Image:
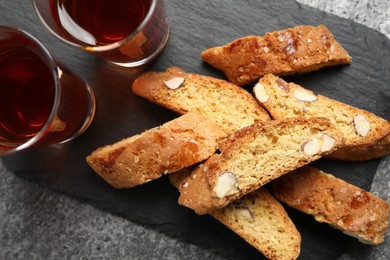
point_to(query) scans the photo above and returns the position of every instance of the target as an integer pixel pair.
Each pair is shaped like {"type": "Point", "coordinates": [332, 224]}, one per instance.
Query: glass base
{"type": "Point", "coordinates": [146, 60]}
{"type": "Point", "coordinates": [91, 114]}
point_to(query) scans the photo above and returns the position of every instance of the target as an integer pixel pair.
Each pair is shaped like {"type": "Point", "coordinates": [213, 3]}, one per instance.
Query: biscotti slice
{"type": "Point", "coordinates": [254, 156]}
{"type": "Point", "coordinates": [228, 105]}
{"type": "Point", "coordinates": [366, 135]}
{"type": "Point", "coordinates": [331, 200]}
{"type": "Point", "coordinates": [295, 50]}
{"type": "Point", "coordinates": [259, 219]}
{"type": "Point", "coordinates": [179, 143]}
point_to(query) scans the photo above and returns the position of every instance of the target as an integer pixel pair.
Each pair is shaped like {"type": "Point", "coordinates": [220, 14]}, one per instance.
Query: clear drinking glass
{"type": "Point", "coordinates": [128, 33]}
{"type": "Point", "coordinates": [41, 102]}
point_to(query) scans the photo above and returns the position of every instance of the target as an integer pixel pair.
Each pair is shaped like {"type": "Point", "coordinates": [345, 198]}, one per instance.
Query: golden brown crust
{"type": "Point", "coordinates": [376, 149]}
{"type": "Point", "coordinates": [295, 50]}
{"type": "Point", "coordinates": [178, 178]}
{"type": "Point", "coordinates": [228, 105]}
{"type": "Point", "coordinates": [331, 200]}
{"type": "Point", "coordinates": [255, 155]}
{"type": "Point", "coordinates": [258, 218]}
{"type": "Point", "coordinates": [177, 144]}
{"type": "Point", "coordinates": [279, 99]}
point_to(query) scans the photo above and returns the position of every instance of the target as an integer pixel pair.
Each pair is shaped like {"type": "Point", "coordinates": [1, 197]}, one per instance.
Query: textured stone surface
{"type": "Point", "coordinates": [36, 223]}
{"type": "Point", "coordinates": [40, 224]}
{"type": "Point", "coordinates": [372, 13]}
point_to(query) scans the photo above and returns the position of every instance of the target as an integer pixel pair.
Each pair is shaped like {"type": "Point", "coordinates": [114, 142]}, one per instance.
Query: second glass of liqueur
{"type": "Point", "coordinates": [128, 33]}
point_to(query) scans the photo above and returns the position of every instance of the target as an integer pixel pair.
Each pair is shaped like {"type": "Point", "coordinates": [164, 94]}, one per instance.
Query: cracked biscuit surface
{"type": "Point", "coordinates": [366, 136]}
{"type": "Point", "coordinates": [258, 218]}
{"type": "Point", "coordinates": [254, 156]}
{"type": "Point", "coordinates": [179, 143]}
{"type": "Point", "coordinates": [328, 199]}
{"type": "Point", "coordinates": [300, 49]}
{"type": "Point", "coordinates": [228, 105]}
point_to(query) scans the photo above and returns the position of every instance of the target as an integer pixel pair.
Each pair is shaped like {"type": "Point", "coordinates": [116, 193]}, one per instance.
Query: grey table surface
{"type": "Point", "coordinates": [36, 223]}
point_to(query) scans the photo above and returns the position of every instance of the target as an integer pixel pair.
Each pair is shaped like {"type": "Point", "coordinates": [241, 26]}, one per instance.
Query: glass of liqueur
{"type": "Point", "coordinates": [128, 33]}
{"type": "Point", "coordinates": [40, 102]}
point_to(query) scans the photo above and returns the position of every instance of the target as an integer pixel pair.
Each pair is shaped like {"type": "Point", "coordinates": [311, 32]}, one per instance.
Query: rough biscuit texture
{"type": "Point", "coordinates": [295, 50]}
{"type": "Point", "coordinates": [262, 222]}
{"type": "Point", "coordinates": [366, 135]}
{"type": "Point", "coordinates": [228, 105]}
{"type": "Point", "coordinates": [175, 145]}
{"type": "Point", "coordinates": [331, 200]}
{"type": "Point", "coordinates": [254, 156]}
{"type": "Point", "coordinates": [258, 218]}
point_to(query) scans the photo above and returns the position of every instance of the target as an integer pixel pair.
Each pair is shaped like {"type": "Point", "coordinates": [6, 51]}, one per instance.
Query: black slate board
{"type": "Point", "coordinates": [195, 26]}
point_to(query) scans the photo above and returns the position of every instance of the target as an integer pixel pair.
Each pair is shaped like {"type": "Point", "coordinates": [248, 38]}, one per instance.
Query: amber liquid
{"type": "Point", "coordinates": [98, 22]}
{"type": "Point", "coordinates": [29, 101]}
{"type": "Point", "coordinates": [27, 91]}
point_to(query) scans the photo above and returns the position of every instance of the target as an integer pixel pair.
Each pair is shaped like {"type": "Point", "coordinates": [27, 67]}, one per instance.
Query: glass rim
{"type": "Point", "coordinates": [56, 74]}
{"type": "Point", "coordinates": [101, 48]}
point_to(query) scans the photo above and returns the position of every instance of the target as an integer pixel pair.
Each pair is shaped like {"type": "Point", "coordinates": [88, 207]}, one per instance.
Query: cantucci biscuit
{"type": "Point", "coordinates": [295, 50]}
{"type": "Point", "coordinates": [366, 135]}
{"type": "Point", "coordinates": [256, 155]}
{"type": "Point", "coordinates": [230, 106]}
{"type": "Point", "coordinates": [179, 143]}
{"type": "Point", "coordinates": [263, 222]}
{"type": "Point", "coordinates": [259, 219]}
{"type": "Point", "coordinates": [344, 206]}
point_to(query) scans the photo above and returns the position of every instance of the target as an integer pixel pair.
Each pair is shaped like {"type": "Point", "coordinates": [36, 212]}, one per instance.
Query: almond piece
{"type": "Point", "coordinates": [226, 185]}
{"type": "Point", "coordinates": [327, 143]}
{"type": "Point", "coordinates": [260, 93]}
{"type": "Point", "coordinates": [312, 147]}
{"type": "Point", "coordinates": [246, 212]}
{"type": "Point", "coordinates": [361, 125]}
{"type": "Point", "coordinates": [319, 143]}
{"type": "Point", "coordinates": [283, 86]}
{"type": "Point", "coordinates": [304, 96]}
{"type": "Point", "coordinates": [174, 83]}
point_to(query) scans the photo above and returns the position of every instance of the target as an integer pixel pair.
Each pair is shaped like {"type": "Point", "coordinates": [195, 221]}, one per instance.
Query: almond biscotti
{"type": "Point", "coordinates": [263, 222]}
{"type": "Point", "coordinates": [228, 105]}
{"type": "Point", "coordinates": [366, 135]}
{"type": "Point", "coordinates": [256, 155]}
{"type": "Point", "coordinates": [299, 49]}
{"type": "Point", "coordinates": [259, 219]}
{"type": "Point", "coordinates": [331, 200]}
{"type": "Point", "coordinates": [175, 145]}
